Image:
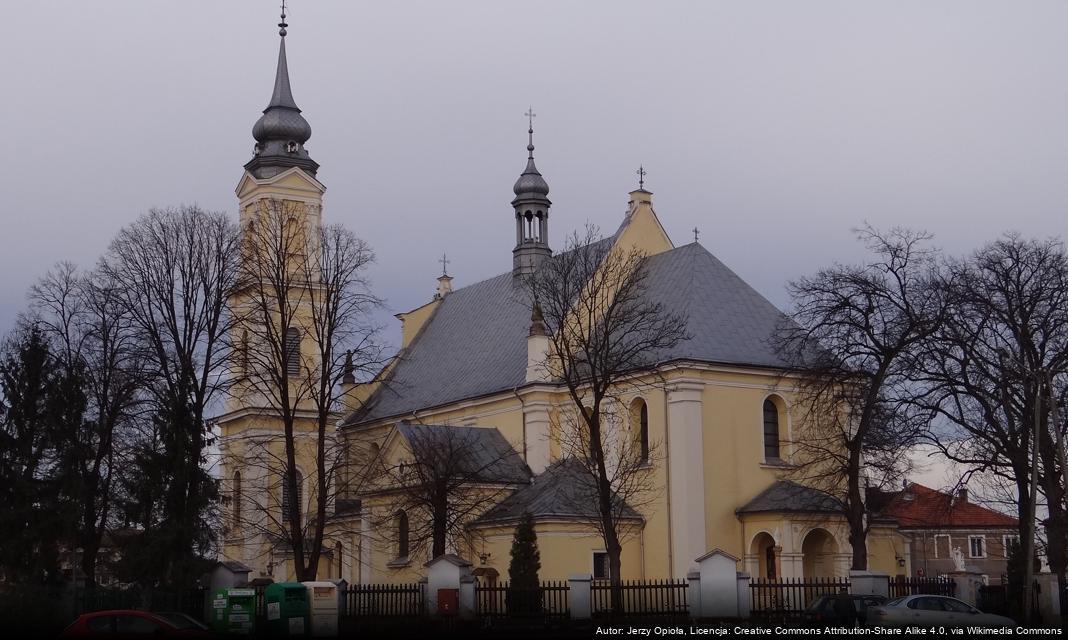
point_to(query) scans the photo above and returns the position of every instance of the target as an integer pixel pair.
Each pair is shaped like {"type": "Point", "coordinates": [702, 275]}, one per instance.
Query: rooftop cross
{"type": "Point", "coordinates": [530, 130]}
{"type": "Point", "coordinates": [641, 176]}
{"type": "Point", "coordinates": [444, 264]}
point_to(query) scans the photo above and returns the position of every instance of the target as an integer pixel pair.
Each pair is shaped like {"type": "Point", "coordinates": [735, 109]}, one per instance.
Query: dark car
{"type": "Point", "coordinates": [841, 609]}
{"type": "Point", "coordinates": [131, 623]}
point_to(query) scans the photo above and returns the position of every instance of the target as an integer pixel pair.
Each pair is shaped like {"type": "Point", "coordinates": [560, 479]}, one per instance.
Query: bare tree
{"type": "Point", "coordinates": [985, 372]}
{"type": "Point", "coordinates": [451, 476]}
{"type": "Point", "coordinates": [303, 326]}
{"type": "Point", "coordinates": [172, 271]}
{"type": "Point", "coordinates": [603, 331]}
{"type": "Point", "coordinates": [82, 315]}
{"type": "Point", "coordinates": [853, 336]}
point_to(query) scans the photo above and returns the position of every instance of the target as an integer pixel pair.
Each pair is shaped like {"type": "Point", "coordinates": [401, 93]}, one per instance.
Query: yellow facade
{"type": "Point", "coordinates": [728, 402]}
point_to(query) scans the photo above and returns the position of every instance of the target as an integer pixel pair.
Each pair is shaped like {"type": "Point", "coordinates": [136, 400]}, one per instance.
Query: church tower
{"type": "Point", "coordinates": [280, 203]}
{"type": "Point", "coordinates": [531, 206]}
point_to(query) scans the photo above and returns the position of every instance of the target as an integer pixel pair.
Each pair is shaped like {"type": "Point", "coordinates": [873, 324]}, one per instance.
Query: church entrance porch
{"type": "Point", "coordinates": [792, 547]}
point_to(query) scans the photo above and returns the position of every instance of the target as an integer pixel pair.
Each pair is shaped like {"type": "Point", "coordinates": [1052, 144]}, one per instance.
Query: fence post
{"type": "Point", "coordinates": [467, 597]}
{"type": "Point", "coordinates": [968, 583]}
{"type": "Point", "coordinates": [579, 587]}
{"type": "Point", "coordinates": [693, 593]}
{"type": "Point", "coordinates": [1049, 603]}
{"type": "Point", "coordinates": [719, 584]}
{"type": "Point", "coordinates": [869, 583]}
{"type": "Point", "coordinates": [743, 594]}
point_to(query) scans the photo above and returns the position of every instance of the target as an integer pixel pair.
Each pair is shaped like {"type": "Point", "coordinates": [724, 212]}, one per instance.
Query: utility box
{"type": "Point", "coordinates": [233, 611]}
{"type": "Point", "coordinates": [448, 602]}
{"type": "Point", "coordinates": [323, 609]}
{"type": "Point", "coordinates": [287, 609]}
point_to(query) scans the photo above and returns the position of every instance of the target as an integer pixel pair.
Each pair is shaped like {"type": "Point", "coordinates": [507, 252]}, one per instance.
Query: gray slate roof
{"type": "Point", "coordinates": [476, 342]}
{"type": "Point", "coordinates": [487, 455]}
{"type": "Point", "coordinates": [563, 490]}
{"type": "Point", "coordinates": [786, 496]}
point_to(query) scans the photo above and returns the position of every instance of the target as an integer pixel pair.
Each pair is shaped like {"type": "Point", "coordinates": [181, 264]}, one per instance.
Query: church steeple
{"type": "Point", "coordinates": [531, 204]}
{"type": "Point", "coordinates": [281, 131]}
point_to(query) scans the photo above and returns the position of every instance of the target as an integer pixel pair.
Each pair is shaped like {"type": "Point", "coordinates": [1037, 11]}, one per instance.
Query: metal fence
{"type": "Point", "coordinates": [641, 598]}
{"type": "Point", "coordinates": [548, 600]}
{"type": "Point", "coordinates": [385, 600]}
{"type": "Point", "coordinates": [788, 597]}
{"type": "Point", "coordinates": [901, 587]}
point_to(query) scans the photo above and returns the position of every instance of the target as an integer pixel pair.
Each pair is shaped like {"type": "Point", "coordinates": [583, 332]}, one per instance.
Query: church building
{"type": "Point", "coordinates": [718, 407]}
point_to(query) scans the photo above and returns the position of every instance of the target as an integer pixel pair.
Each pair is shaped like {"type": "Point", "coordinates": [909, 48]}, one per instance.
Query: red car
{"type": "Point", "coordinates": [130, 623]}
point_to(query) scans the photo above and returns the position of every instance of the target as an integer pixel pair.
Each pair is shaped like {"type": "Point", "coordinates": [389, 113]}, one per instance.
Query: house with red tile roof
{"type": "Point", "coordinates": [934, 523]}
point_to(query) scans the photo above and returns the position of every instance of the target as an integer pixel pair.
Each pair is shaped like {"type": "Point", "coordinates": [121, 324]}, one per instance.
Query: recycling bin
{"type": "Point", "coordinates": [322, 609]}
{"type": "Point", "coordinates": [233, 610]}
{"type": "Point", "coordinates": [287, 609]}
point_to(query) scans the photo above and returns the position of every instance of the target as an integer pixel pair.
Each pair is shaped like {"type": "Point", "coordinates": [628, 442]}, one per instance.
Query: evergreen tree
{"type": "Point", "coordinates": [36, 404]}
{"type": "Point", "coordinates": [524, 594]}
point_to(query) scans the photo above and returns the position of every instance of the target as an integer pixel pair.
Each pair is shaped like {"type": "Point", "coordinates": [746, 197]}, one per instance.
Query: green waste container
{"type": "Point", "coordinates": [233, 611]}
{"type": "Point", "coordinates": [287, 609]}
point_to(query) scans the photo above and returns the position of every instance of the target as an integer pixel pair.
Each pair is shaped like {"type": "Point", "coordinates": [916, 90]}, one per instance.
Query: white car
{"type": "Point", "coordinates": [932, 611]}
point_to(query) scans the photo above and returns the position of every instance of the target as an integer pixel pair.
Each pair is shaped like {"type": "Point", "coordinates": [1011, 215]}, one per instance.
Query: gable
{"type": "Point", "coordinates": [292, 182]}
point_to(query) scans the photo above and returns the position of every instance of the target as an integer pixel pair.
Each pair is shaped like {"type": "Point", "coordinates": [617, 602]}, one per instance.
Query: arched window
{"type": "Point", "coordinates": [640, 420]}
{"type": "Point", "coordinates": [402, 534]}
{"type": "Point", "coordinates": [243, 354]}
{"type": "Point", "coordinates": [237, 499]}
{"type": "Point", "coordinates": [286, 497]}
{"type": "Point", "coordinates": [292, 353]}
{"type": "Point", "coordinates": [340, 560]}
{"type": "Point", "coordinates": [771, 430]}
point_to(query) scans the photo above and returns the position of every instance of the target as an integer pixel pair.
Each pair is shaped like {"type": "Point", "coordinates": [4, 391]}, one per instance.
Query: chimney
{"type": "Point", "coordinates": [537, 347]}
{"type": "Point", "coordinates": [962, 496]}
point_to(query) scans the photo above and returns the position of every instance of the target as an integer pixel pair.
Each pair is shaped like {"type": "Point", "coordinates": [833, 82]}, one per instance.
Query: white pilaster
{"type": "Point", "coordinates": [536, 432]}
{"type": "Point", "coordinates": [365, 549]}
{"type": "Point", "coordinates": [685, 459]}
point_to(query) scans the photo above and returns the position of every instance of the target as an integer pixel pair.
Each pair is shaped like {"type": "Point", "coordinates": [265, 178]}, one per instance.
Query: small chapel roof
{"type": "Point", "coordinates": [789, 497]}
{"type": "Point", "coordinates": [562, 491]}
{"type": "Point", "coordinates": [475, 343]}
{"type": "Point", "coordinates": [486, 453]}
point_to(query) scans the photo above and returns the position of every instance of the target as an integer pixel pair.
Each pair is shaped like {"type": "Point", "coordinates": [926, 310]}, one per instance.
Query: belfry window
{"type": "Point", "coordinates": [287, 496]}
{"type": "Point", "coordinates": [771, 430]}
{"type": "Point", "coordinates": [292, 352]}
{"type": "Point", "coordinates": [237, 499]}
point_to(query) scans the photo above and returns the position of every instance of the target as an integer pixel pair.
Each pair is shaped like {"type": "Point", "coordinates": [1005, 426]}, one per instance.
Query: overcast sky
{"type": "Point", "coordinates": [775, 127]}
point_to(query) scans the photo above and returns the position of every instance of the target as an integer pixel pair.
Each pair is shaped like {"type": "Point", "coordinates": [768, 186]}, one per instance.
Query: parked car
{"type": "Point", "coordinates": [927, 610]}
{"type": "Point", "coordinates": [130, 623]}
{"type": "Point", "coordinates": [841, 609]}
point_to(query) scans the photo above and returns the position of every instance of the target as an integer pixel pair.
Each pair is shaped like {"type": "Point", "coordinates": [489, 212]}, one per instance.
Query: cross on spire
{"type": "Point", "coordinates": [282, 25]}
{"type": "Point", "coordinates": [530, 132]}
{"type": "Point", "coordinates": [444, 264]}
{"type": "Point", "coordinates": [641, 176]}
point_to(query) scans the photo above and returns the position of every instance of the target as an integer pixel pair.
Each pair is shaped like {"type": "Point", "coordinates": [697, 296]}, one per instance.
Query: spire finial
{"type": "Point", "coordinates": [530, 131]}
{"type": "Point", "coordinates": [641, 176]}
{"type": "Point", "coordinates": [282, 25]}
{"type": "Point", "coordinates": [444, 264]}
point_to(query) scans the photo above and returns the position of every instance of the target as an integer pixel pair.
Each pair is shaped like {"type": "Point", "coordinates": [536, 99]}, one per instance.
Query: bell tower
{"type": "Point", "coordinates": [280, 204]}
{"type": "Point", "coordinates": [531, 204]}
